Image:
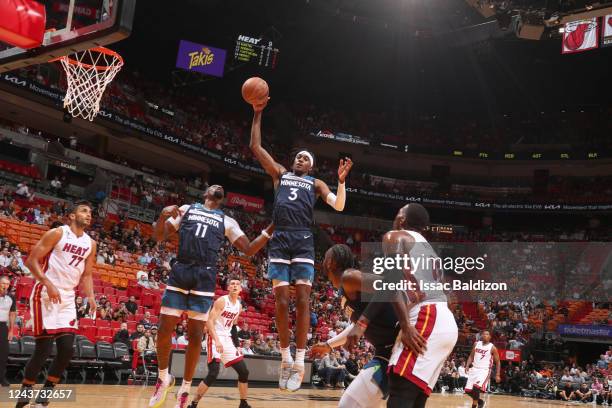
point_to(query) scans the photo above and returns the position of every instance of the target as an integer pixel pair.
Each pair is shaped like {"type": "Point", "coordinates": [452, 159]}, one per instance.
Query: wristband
{"type": "Point", "coordinates": [362, 324]}
{"type": "Point", "coordinates": [265, 234]}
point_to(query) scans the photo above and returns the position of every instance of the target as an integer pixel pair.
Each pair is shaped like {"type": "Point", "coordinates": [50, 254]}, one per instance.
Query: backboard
{"type": "Point", "coordinates": [72, 26]}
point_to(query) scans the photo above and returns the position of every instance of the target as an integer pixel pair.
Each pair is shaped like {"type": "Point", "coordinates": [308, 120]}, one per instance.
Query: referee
{"type": "Point", "coordinates": [8, 312]}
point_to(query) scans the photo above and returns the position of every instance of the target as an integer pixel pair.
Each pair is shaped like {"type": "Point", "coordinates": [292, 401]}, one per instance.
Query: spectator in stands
{"type": "Point", "coordinates": [462, 376]}
{"type": "Point", "coordinates": [566, 376]}
{"type": "Point", "coordinates": [100, 257]}
{"type": "Point", "coordinates": [352, 367]}
{"type": "Point", "coordinates": [7, 208]}
{"type": "Point", "coordinates": [121, 313]}
{"type": "Point", "coordinates": [147, 342]}
{"type": "Point", "coordinates": [566, 393]}
{"type": "Point", "coordinates": [122, 336]}
{"type": "Point", "coordinates": [182, 340]}
{"type": "Point", "coordinates": [24, 192]}
{"type": "Point", "coordinates": [81, 307]}
{"type": "Point", "coordinates": [5, 258]}
{"type": "Point", "coordinates": [146, 319]}
{"type": "Point", "coordinates": [140, 330]}
{"type": "Point", "coordinates": [332, 370]}
{"type": "Point", "coordinates": [583, 394]}
{"type": "Point", "coordinates": [144, 281]}
{"type": "Point", "coordinates": [131, 305]}
{"type": "Point", "coordinates": [244, 332]}
{"type": "Point", "coordinates": [103, 314]}
{"type": "Point", "coordinates": [14, 268]}
{"type": "Point", "coordinates": [260, 347]}
{"type": "Point", "coordinates": [56, 186]}
{"type": "Point", "coordinates": [274, 347]}
{"type": "Point", "coordinates": [246, 348]}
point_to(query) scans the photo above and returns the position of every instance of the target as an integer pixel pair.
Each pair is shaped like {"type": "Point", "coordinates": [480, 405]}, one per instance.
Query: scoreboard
{"type": "Point", "coordinates": [255, 50]}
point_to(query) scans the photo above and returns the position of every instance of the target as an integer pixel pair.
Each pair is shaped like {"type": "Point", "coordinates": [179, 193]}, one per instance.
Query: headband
{"type": "Point", "coordinates": [307, 154]}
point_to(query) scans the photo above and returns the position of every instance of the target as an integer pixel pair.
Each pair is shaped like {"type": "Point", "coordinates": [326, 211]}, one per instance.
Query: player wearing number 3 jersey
{"type": "Point", "coordinates": [291, 250]}
{"type": "Point", "coordinates": [202, 229]}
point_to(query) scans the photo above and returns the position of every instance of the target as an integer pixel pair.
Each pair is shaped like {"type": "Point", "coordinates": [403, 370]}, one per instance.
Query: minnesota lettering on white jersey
{"type": "Point", "coordinates": [67, 260]}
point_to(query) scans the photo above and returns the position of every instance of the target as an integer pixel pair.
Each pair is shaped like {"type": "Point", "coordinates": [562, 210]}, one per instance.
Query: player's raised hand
{"type": "Point", "coordinates": [344, 168]}
{"type": "Point", "coordinates": [219, 347]}
{"type": "Point", "coordinates": [170, 211]}
{"type": "Point", "coordinates": [413, 340]}
{"type": "Point", "coordinates": [258, 107]}
{"type": "Point", "coordinates": [320, 349]}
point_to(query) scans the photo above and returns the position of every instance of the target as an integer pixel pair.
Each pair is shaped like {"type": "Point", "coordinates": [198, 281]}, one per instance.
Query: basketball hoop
{"type": "Point", "coordinates": [88, 73]}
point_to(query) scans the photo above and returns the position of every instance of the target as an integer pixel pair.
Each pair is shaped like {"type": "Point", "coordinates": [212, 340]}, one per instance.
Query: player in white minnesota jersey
{"type": "Point", "coordinates": [222, 343]}
{"type": "Point", "coordinates": [482, 357]}
{"type": "Point", "coordinates": [60, 261]}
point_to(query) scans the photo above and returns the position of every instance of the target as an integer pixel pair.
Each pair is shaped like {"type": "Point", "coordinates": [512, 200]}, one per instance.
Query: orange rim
{"type": "Point", "coordinates": [101, 50]}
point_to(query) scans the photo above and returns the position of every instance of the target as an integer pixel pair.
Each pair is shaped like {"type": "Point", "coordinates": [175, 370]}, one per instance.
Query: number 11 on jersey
{"type": "Point", "coordinates": [203, 228]}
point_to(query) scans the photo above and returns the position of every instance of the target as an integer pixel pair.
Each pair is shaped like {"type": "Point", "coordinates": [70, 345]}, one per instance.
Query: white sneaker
{"type": "Point", "coordinates": [181, 400]}
{"type": "Point", "coordinates": [285, 373]}
{"type": "Point", "coordinates": [161, 391]}
{"type": "Point", "coordinates": [295, 380]}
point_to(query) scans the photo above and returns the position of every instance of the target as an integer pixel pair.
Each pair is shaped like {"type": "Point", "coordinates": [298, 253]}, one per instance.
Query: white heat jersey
{"type": "Point", "coordinates": [223, 324]}
{"type": "Point", "coordinates": [66, 261]}
{"type": "Point", "coordinates": [483, 359]}
{"type": "Point", "coordinates": [424, 268]}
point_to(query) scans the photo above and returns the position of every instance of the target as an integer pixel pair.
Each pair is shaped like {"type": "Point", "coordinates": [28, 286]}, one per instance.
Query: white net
{"type": "Point", "coordinates": [88, 73]}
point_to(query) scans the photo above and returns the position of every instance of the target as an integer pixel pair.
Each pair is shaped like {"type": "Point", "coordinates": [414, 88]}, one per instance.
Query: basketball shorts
{"type": "Point", "coordinates": [369, 389]}
{"type": "Point", "coordinates": [435, 322]}
{"type": "Point", "coordinates": [230, 356]}
{"type": "Point", "coordinates": [478, 378]}
{"type": "Point", "coordinates": [52, 318]}
{"type": "Point", "coordinates": [190, 288]}
{"type": "Point", "coordinates": [291, 255]}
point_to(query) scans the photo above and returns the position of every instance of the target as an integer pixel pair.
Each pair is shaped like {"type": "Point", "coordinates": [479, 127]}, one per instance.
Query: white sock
{"type": "Point", "coordinates": [286, 355]}
{"type": "Point", "coordinates": [299, 356]}
{"type": "Point", "coordinates": [185, 387]}
{"type": "Point", "coordinates": [163, 375]}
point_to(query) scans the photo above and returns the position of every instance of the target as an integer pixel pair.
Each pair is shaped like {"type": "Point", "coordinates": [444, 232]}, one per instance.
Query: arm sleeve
{"type": "Point", "coordinates": [337, 202]}
{"type": "Point", "coordinates": [176, 221]}
{"type": "Point", "coordinates": [13, 305]}
{"type": "Point", "coordinates": [234, 334]}
{"type": "Point", "coordinates": [232, 229]}
{"type": "Point", "coordinates": [340, 339]}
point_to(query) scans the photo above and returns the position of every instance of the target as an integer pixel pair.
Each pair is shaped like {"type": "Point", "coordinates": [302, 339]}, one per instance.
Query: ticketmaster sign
{"type": "Point", "coordinates": [585, 330]}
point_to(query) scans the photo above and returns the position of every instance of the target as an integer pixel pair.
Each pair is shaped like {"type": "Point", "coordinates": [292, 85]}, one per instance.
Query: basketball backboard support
{"type": "Point", "coordinates": [73, 26]}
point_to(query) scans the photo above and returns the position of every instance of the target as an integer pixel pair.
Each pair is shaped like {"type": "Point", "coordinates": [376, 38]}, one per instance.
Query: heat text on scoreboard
{"type": "Point", "coordinates": [256, 50]}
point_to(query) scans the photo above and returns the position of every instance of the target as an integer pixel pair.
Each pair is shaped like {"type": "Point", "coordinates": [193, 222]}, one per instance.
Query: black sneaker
{"type": "Point", "coordinates": [481, 403]}
{"type": "Point", "coordinates": [244, 404]}
{"type": "Point", "coordinates": [5, 383]}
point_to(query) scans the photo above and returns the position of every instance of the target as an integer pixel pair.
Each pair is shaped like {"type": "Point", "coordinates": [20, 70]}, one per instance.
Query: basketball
{"type": "Point", "coordinates": [255, 90]}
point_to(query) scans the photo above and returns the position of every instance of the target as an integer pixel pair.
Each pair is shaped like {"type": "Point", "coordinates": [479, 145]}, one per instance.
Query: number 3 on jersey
{"type": "Point", "coordinates": [203, 228]}
{"type": "Point", "coordinates": [293, 194]}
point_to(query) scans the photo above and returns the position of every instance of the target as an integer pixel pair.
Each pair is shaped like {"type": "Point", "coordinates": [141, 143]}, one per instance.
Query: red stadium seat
{"type": "Point", "coordinates": [88, 331]}
{"type": "Point", "coordinates": [131, 326]}
{"type": "Point", "coordinates": [115, 324]}
{"type": "Point", "coordinates": [102, 323]}
{"type": "Point", "coordinates": [86, 321]}
{"type": "Point", "coordinates": [104, 331]}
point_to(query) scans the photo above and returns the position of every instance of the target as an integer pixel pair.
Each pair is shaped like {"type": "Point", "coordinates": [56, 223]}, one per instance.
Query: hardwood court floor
{"type": "Point", "coordinates": [135, 396]}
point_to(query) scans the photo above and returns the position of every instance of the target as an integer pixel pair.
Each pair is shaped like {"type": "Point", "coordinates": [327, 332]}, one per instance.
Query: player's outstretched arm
{"type": "Point", "coordinates": [212, 320]}
{"type": "Point", "coordinates": [87, 277]}
{"type": "Point", "coordinates": [271, 167]}
{"type": "Point", "coordinates": [339, 340]}
{"type": "Point", "coordinates": [336, 202]}
{"type": "Point", "coordinates": [250, 248]}
{"type": "Point", "coordinates": [35, 260]}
